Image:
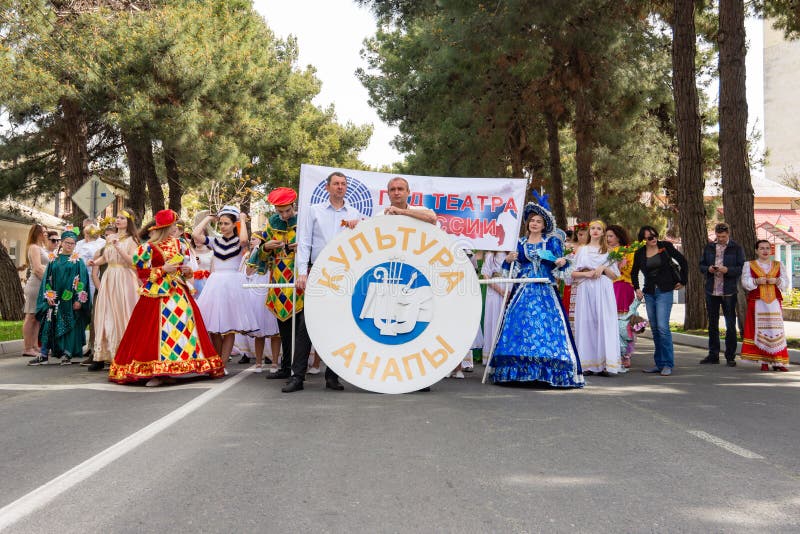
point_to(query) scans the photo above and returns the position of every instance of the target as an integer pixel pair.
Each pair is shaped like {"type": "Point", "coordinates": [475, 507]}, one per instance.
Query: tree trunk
{"type": "Point", "coordinates": [73, 147]}
{"type": "Point", "coordinates": [12, 298]}
{"type": "Point", "coordinates": [737, 189]}
{"type": "Point", "coordinates": [154, 190]}
{"type": "Point", "coordinates": [142, 170]}
{"type": "Point", "coordinates": [690, 183]}
{"type": "Point", "coordinates": [135, 149]}
{"type": "Point", "coordinates": [556, 180]}
{"type": "Point", "coordinates": [584, 146]}
{"type": "Point", "coordinates": [173, 180]}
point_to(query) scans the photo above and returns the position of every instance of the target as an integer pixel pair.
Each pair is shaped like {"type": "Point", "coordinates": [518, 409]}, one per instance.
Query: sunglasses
{"type": "Point", "coordinates": [55, 240]}
{"type": "Point", "coordinates": [649, 237]}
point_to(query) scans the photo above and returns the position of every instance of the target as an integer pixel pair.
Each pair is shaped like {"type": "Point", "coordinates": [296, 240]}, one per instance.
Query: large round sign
{"type": "Point", "coordinates": [393, 305]}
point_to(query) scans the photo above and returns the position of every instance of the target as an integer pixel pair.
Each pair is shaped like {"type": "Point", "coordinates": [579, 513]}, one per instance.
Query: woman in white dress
{"type": "Point", "coordinates": [222, 301]}
{"type": "Point", "coordinates": [37, 260]}
{"type": "Point", "coordinates": [256, 273]}
{"type": "Point", "coordinates": [596, 326]}
{"type": "Point", "coordinates": [117, 290]}
{"type": "Point", "coordinates": [493, 309]}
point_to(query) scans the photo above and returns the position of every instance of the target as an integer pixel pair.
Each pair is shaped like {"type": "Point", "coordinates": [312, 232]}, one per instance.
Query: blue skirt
{"type": "Point", "coordinates": [535, 343]}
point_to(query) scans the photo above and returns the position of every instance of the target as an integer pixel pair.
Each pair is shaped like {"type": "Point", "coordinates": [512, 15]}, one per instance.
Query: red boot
{"type": "Point", "coordinates": [780, 368]}
{"type": "Point", "coordinates": [764, 367]}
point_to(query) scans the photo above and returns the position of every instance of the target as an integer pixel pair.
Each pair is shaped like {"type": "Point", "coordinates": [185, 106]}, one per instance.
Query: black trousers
{"type": "Point", "coordinates": [728, 304]}
{"type": "Point", "coordinates": [298, 363]}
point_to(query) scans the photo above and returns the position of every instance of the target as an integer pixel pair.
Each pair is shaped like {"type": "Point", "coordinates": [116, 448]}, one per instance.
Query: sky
{"type": "Point", "coordinates": [330, 35]}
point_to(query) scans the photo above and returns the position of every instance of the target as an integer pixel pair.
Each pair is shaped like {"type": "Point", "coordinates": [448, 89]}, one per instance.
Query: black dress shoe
{"type": "Point", "coordinates": [731, 363]}
{"type": "Point", "coordinates": [96, 366]}
{"type": "Point", "coordinates": [709, 359]}
{"type": "Point", "coordinates": [280, 374]}
{"type": "Point", "coordinates": [333, 384]}
{"type": "Point", "coordinates": [245, 359]}
{"type": "Point", "coordinates": [294, 384]}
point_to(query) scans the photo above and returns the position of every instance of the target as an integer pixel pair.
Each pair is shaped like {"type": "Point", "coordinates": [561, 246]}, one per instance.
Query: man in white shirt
{"type": "Point", "coordinates": [325, 221]}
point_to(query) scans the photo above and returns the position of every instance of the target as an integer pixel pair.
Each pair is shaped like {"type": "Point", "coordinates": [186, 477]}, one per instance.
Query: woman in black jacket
{"type": "Point", "coordinates": [661, 277]}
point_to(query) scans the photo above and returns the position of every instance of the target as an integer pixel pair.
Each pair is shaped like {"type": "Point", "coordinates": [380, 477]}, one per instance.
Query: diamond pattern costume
{"type": "Point", "coordinates": [166, 335]}
{"type": "Point", "coordinates": [280, 263]}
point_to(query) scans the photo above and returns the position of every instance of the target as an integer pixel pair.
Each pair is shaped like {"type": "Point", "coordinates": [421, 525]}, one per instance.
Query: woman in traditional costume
{"type": "Point", "coordinates": [37, 260]}
{"type": "Point", "coordinates": [764, 337]}
{"type": "Point", "coordinates": [117, 290]}
{"type": "Point", "coordinates": [223, 300]}
{"type": "Point", "coordinates": [580, 237]}
{"type": "Point", "coordinates": [63, 308]}
{"type": "Point", "coordinates": [596, 323]}
{"type": "Point", "coordinates": [166, 337]}
{"type": "Point", "coordinates": [535, 342]}
{"type": "Point", "coordinates": [617, 237]}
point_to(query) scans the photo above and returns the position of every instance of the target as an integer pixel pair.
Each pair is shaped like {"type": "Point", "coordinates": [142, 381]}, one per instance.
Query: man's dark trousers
{"type": "Point", "coordinates": [728, 304]}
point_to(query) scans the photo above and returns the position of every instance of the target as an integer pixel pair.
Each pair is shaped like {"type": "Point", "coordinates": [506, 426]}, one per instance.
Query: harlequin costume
{"type": "Point", "coordinates": [280, 262]}
{"type": "Point", "coordinates": [166, 335]}
{"type": "Point", "coordinates": [764, 337]}
{"type": "Point", "coordinates": [65, 283]}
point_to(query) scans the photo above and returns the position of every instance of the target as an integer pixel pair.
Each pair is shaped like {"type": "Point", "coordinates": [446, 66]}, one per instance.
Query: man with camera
{"type": "Point", "coordinates": [722, 263]}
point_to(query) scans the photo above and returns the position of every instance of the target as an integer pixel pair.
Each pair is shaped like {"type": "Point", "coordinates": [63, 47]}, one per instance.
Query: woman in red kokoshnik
{"type": "Point", "coordinates": [764, 338]}
{"type": "Point", "coordinates": [166, 337]}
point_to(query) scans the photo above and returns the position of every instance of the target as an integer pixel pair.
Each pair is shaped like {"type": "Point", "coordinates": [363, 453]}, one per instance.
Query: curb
{"type": "Point", "coordinates": [11, 348]}
{"type": "Point", "coordinates": [701, 342]}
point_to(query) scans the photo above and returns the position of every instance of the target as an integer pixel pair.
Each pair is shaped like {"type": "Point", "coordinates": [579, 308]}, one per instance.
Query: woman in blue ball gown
{"type": "Point", "coordinates": [535, 342]}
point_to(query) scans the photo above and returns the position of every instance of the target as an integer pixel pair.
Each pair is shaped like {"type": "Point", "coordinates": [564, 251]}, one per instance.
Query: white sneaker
{"type": "Point", "coordinates": [313, 370]}
{"type": "Point", "coordinates": [257, 369]}
{"type": "Point", "coordinates": [458, 374]}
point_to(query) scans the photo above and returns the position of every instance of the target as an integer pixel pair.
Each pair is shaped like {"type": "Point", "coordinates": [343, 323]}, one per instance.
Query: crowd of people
{"type": "Point", "coordinates": [136, 290]}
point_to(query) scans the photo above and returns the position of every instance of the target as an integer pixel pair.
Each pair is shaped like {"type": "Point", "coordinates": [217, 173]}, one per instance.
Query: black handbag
{"type": "Point", "coordinates": [675, 268]}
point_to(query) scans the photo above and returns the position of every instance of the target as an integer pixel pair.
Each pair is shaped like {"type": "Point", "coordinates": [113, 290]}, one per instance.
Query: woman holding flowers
{"type": "Point", "coordinates": [596, 324]}
{"type": "Point", "coordinates": [655, 260]}
{"type": "Point", "coordinates": [535, 341]}
{"type": "Point", "coordinates": [764, 338]}
{"type": "Point", "coordinates": [166, 336]}
{"type": "Point", "coordinates": [63, 307]}
{"type": "Point", "coordinates": [116, 292]}
{"type": "Point", "coordinates": [619, 243]}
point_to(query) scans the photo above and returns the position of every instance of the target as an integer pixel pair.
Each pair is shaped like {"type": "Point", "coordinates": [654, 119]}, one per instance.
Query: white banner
{"type": "Point", "coordinates": [485, 213]}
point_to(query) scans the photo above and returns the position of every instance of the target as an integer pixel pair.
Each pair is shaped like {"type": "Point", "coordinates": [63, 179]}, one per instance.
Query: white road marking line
{"type": "Point", "coordinates": [101, 387]}
{"type": "Point", "coordinates": [27, 504]}
{"type": "Point", "coordinates": [727, 445]}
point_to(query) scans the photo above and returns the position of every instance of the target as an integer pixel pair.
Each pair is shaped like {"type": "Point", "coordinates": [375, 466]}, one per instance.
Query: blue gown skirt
{"type": "Point", "coordinates": [535, 342]}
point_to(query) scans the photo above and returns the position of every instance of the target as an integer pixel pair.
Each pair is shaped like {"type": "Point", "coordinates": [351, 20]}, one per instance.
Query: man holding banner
{"type": "Point", "coordinates": [399, 190]}
{"type": "Point", "coordinates": [326, 220]}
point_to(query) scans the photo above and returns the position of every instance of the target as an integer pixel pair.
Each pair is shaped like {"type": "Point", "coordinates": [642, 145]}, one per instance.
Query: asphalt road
{"type": "Point", "coordinates": [708, 449]}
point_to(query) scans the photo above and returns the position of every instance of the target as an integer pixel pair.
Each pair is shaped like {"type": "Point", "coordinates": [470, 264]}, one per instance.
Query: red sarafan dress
{"type": "Point", "coordinates": [764, 337]}
{"type": "Point", "coordinates": [166, 335]}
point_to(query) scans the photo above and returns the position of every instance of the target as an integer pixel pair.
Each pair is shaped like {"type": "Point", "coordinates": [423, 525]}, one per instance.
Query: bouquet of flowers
{"type": "Point", "coordinates": [619, 253]}
{"type": "Point", "coordinates": [638, 324]}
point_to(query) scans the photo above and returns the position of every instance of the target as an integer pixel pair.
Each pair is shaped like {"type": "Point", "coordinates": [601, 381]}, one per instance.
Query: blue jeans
{"type": "Point", "coordinates": [659, 306]}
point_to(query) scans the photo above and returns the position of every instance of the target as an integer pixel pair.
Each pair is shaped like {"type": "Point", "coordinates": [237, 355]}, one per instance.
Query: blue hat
{"type": "Point", "coordinates": [541, 208]}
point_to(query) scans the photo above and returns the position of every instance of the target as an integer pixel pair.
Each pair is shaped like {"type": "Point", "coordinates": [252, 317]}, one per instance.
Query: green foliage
{"type": "Point", "coordinates": [468, 85]}
{"type": "Point", "coordinates": [207, 82]}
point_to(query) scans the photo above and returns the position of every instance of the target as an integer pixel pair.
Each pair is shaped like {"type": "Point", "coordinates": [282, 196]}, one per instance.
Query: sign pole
{"type": "Point", "coordinates": [93, 209]}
